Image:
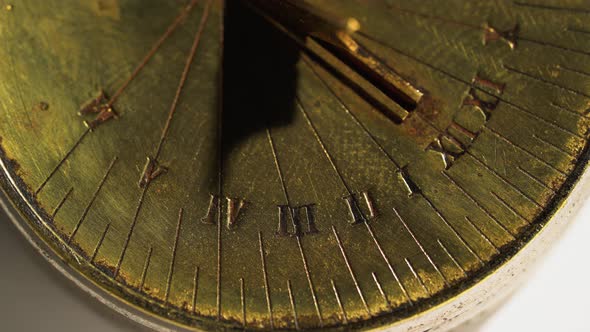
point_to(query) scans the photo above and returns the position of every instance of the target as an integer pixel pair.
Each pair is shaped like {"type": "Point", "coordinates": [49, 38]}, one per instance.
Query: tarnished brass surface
{"type": "Point", "coordinates": [287, 164]}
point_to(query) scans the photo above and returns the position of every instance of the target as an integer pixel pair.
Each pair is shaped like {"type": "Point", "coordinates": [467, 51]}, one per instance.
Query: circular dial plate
{"type": "Point", "coordinates": [217, 167]}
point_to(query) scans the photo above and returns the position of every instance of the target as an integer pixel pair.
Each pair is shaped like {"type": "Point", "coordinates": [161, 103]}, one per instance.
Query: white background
{"type": "Point", "coordinates": [34, 297]}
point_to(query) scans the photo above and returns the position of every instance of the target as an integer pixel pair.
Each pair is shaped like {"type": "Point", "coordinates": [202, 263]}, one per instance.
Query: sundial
{"type": "Point", "coordinates": [294, 165]}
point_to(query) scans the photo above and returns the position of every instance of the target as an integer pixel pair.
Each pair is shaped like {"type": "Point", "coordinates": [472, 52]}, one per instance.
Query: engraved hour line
{"type": "Point", "coordinates": [577, 71]}
{"type": "Point", "coordinates": [578, 30]}
{"type": "Point", "coordinates": [135, 73]}
{"type": "Point", "coordinates": [449, 225]}
{"type": "Point", "coordinates": [146, 266]}
{"type": "Point", "coordinates": [243, 301]}
{"type": "Point", "coordinates": [550, 7]}
{"type": "Point", "coordinates": [62, 161]}
{"type": "Point", "coordinates": [173, 256]}
{"type": "Point", "coordinates": [297, 236]}
{"type": "Point", "coordinates": [453, 259]}
{"type": "Point", "coordinates": [380, 289]}
{"type": "Point", "coordinates": [339, 301]}
{"type": "Point", "coordinates": [563, 108]}
{"type": "Point", "coordinates": [171, 113]}
{"type": "Point", "coordinates": [333, 164]}
{"type": "Point", "coordinates": [545, 81]}
{"type": "Point", "coordinates": [349, 267]}
{"type": "Point", "coordinates": [61, 203]}
{"type": "Point", "coordinates": [99, 243]}
{"type": "Point", "coordinates": [485, 237]}
{"type": "Point", "coordinates": [293, 306]}
{"type": "Point", "coordinates": [265, 281]}
{"type": "Point", "coordinates": [417, 277]}
{"type": "Point", "coordinates": [92, 199]}
{"type": "Point", "coordinates": [510, 208]}
{"type": "Point", "coordinates": [422, 248]}
{"type": "Point", "coordinates": [555, 147]}
{"type": "Point", "coordinates": [536, 179]}
{"type": "Point", "coordinates": [376, 143]}
{"type": "Point", "coordinates": [195, 289]}
{"type": "Point", "coordinates": [219, 166]}
{"type": "Point", "coordinates": [479, 205]}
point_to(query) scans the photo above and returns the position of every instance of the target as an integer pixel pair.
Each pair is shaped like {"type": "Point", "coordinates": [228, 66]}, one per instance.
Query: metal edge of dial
{"type": "Point", "coordinates": [484, 291]}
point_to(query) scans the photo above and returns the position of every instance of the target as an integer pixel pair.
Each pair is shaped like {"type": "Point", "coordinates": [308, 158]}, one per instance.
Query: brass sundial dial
{"type": "Point", "coordinates": [287, 164]}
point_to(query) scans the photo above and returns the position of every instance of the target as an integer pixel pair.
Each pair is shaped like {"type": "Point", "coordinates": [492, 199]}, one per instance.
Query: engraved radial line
{"type": "Point", "coordinates": [352, 275]}
{"type": "Point", "coordinates": [556, 147]}
{"type": "Point", "coordinates": [195, 289]}
{"type": "Point", "coordinates": [535, 179]}
{"type": "Point", "coordinates": [380, 288]}
{"type": "Point", "coordinates": [94, 196]}
{"type": "Point", "coordinates": [388, 263]}
{"type": "Point", "coordinates": [243, 301]}
{"type": "Point", "coordinates": [293, 306]}
{"type": "Point", "coordinates": [99, 244]}
{"type": "Point", "coordinates": [563, 108]}
{"type": "Point", "coordinates": [67, 155]}
{"type": "Point", "coordinates": [61, 203]}
{"type": "Point", "coordinates": [321, 143]}
{"type": "Point", "coordinates": [583, 73]}
{"type": "Point", "coordinates": [452, 228]}
{"type": "Point", "coordinates": [153, 51]}
{"type": "Point", "coordinates": [481, 207]}
{"type": "Point", "coordinates": [265, 279]}
{"type": "Point", "coordinates": [536, 116]}
{"type": "Point", "coordinates": [146, 266]}
{"type": "Point", "coordinates": [485, 237]}
{"type": "Point", "coordinates": [219, 167]}
{"type": "Point", "coordinates": [417, 277]}
{"type": "Point", "coordinates": [421, 247]}
{"type": "Point", "coordinates": [184, 75]}
{"type": "Point", "coordinates": [173, 258]}
{"type": "Point", "coordinates": [545, 81]}
{"type": "Point", "coordinates": [435, 18]}
{"type": "Point", "coordinates": [575, 29]}
{"type": "Point", "coordinates": [299, 244]}
{"type": "Point", "coordinates": [339, 301]}
{"type": "Point", "coordinates": [453, 259]}
{"type": "Point", "coordinates": [547, 44]}
{"type": "Point", "coordinates": [130, 232]}
{"type": "Point", "coordinates": [510, 207]}
{"type": "Point", "coordinates": [549, 7]}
